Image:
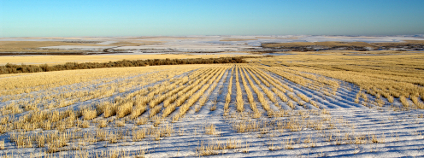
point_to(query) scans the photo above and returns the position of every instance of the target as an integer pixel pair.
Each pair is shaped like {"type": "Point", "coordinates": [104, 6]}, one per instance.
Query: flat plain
{"type": "Point", "coordinates": [296, 104]}
{"type": "Point", "coordinates": [62, 59]}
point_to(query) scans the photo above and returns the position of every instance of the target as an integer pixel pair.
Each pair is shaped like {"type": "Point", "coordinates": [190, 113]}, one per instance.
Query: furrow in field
{"type": "Point", "coordinates": [260, 82]}
{"type": "Point", "coordinates": [126, 106]}
{"type": "Point", "coordinates": [216, 98]}
{"type": "Point", "coordinates": [302, 96]}
{"type": "Point", "coordinates": [252, 102]}
{"type": "Point", "coordinates": [172, 96]}
{"type": "Point", "coordinates": [184, 96]}
{"type": "Point", "coordinates": [208, 92]}
{"type": "Point", "coordinates": [261, 98]}
{"type": "Point", "coordinates": [277, 88]}
{"type": "Point", "coordinates": [229, 92]}
{"type": "Point", "coordinates": [333, 101]}
{"type": "Point", "coordinates": [169, 98]}
{"type": "Point", "coordinates": [239, 97]}
{"type": "Point", "coordinates": [194, 96]}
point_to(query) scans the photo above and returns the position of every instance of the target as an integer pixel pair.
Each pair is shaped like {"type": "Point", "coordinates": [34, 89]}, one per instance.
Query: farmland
{"type": "Point", "coordinates": [300, 105]}
{"type": "Point", "coordinates": [62, 59]}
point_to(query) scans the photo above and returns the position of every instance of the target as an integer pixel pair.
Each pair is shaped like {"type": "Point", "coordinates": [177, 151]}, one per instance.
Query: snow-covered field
{"type": "Point", "coordinates": [204, 43]}
{"type": "Point", "coordinates": [189, 112]}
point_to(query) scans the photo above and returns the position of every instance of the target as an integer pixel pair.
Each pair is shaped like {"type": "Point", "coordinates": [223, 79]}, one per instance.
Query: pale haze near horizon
{"type": "Point", "coordinates": [191, 17]}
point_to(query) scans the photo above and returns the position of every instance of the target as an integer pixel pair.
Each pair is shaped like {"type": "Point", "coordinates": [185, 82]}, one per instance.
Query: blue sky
{"type": "Point", "coordinates": [19, 18]}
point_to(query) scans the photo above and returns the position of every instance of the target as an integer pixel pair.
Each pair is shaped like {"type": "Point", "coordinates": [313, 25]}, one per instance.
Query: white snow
{"type": "Point", "coordinates": [214, 43]}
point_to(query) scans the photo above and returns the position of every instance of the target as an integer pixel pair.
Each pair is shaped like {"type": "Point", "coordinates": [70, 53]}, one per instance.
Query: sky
{"type": "Point", "coordinates": [67, 18]}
